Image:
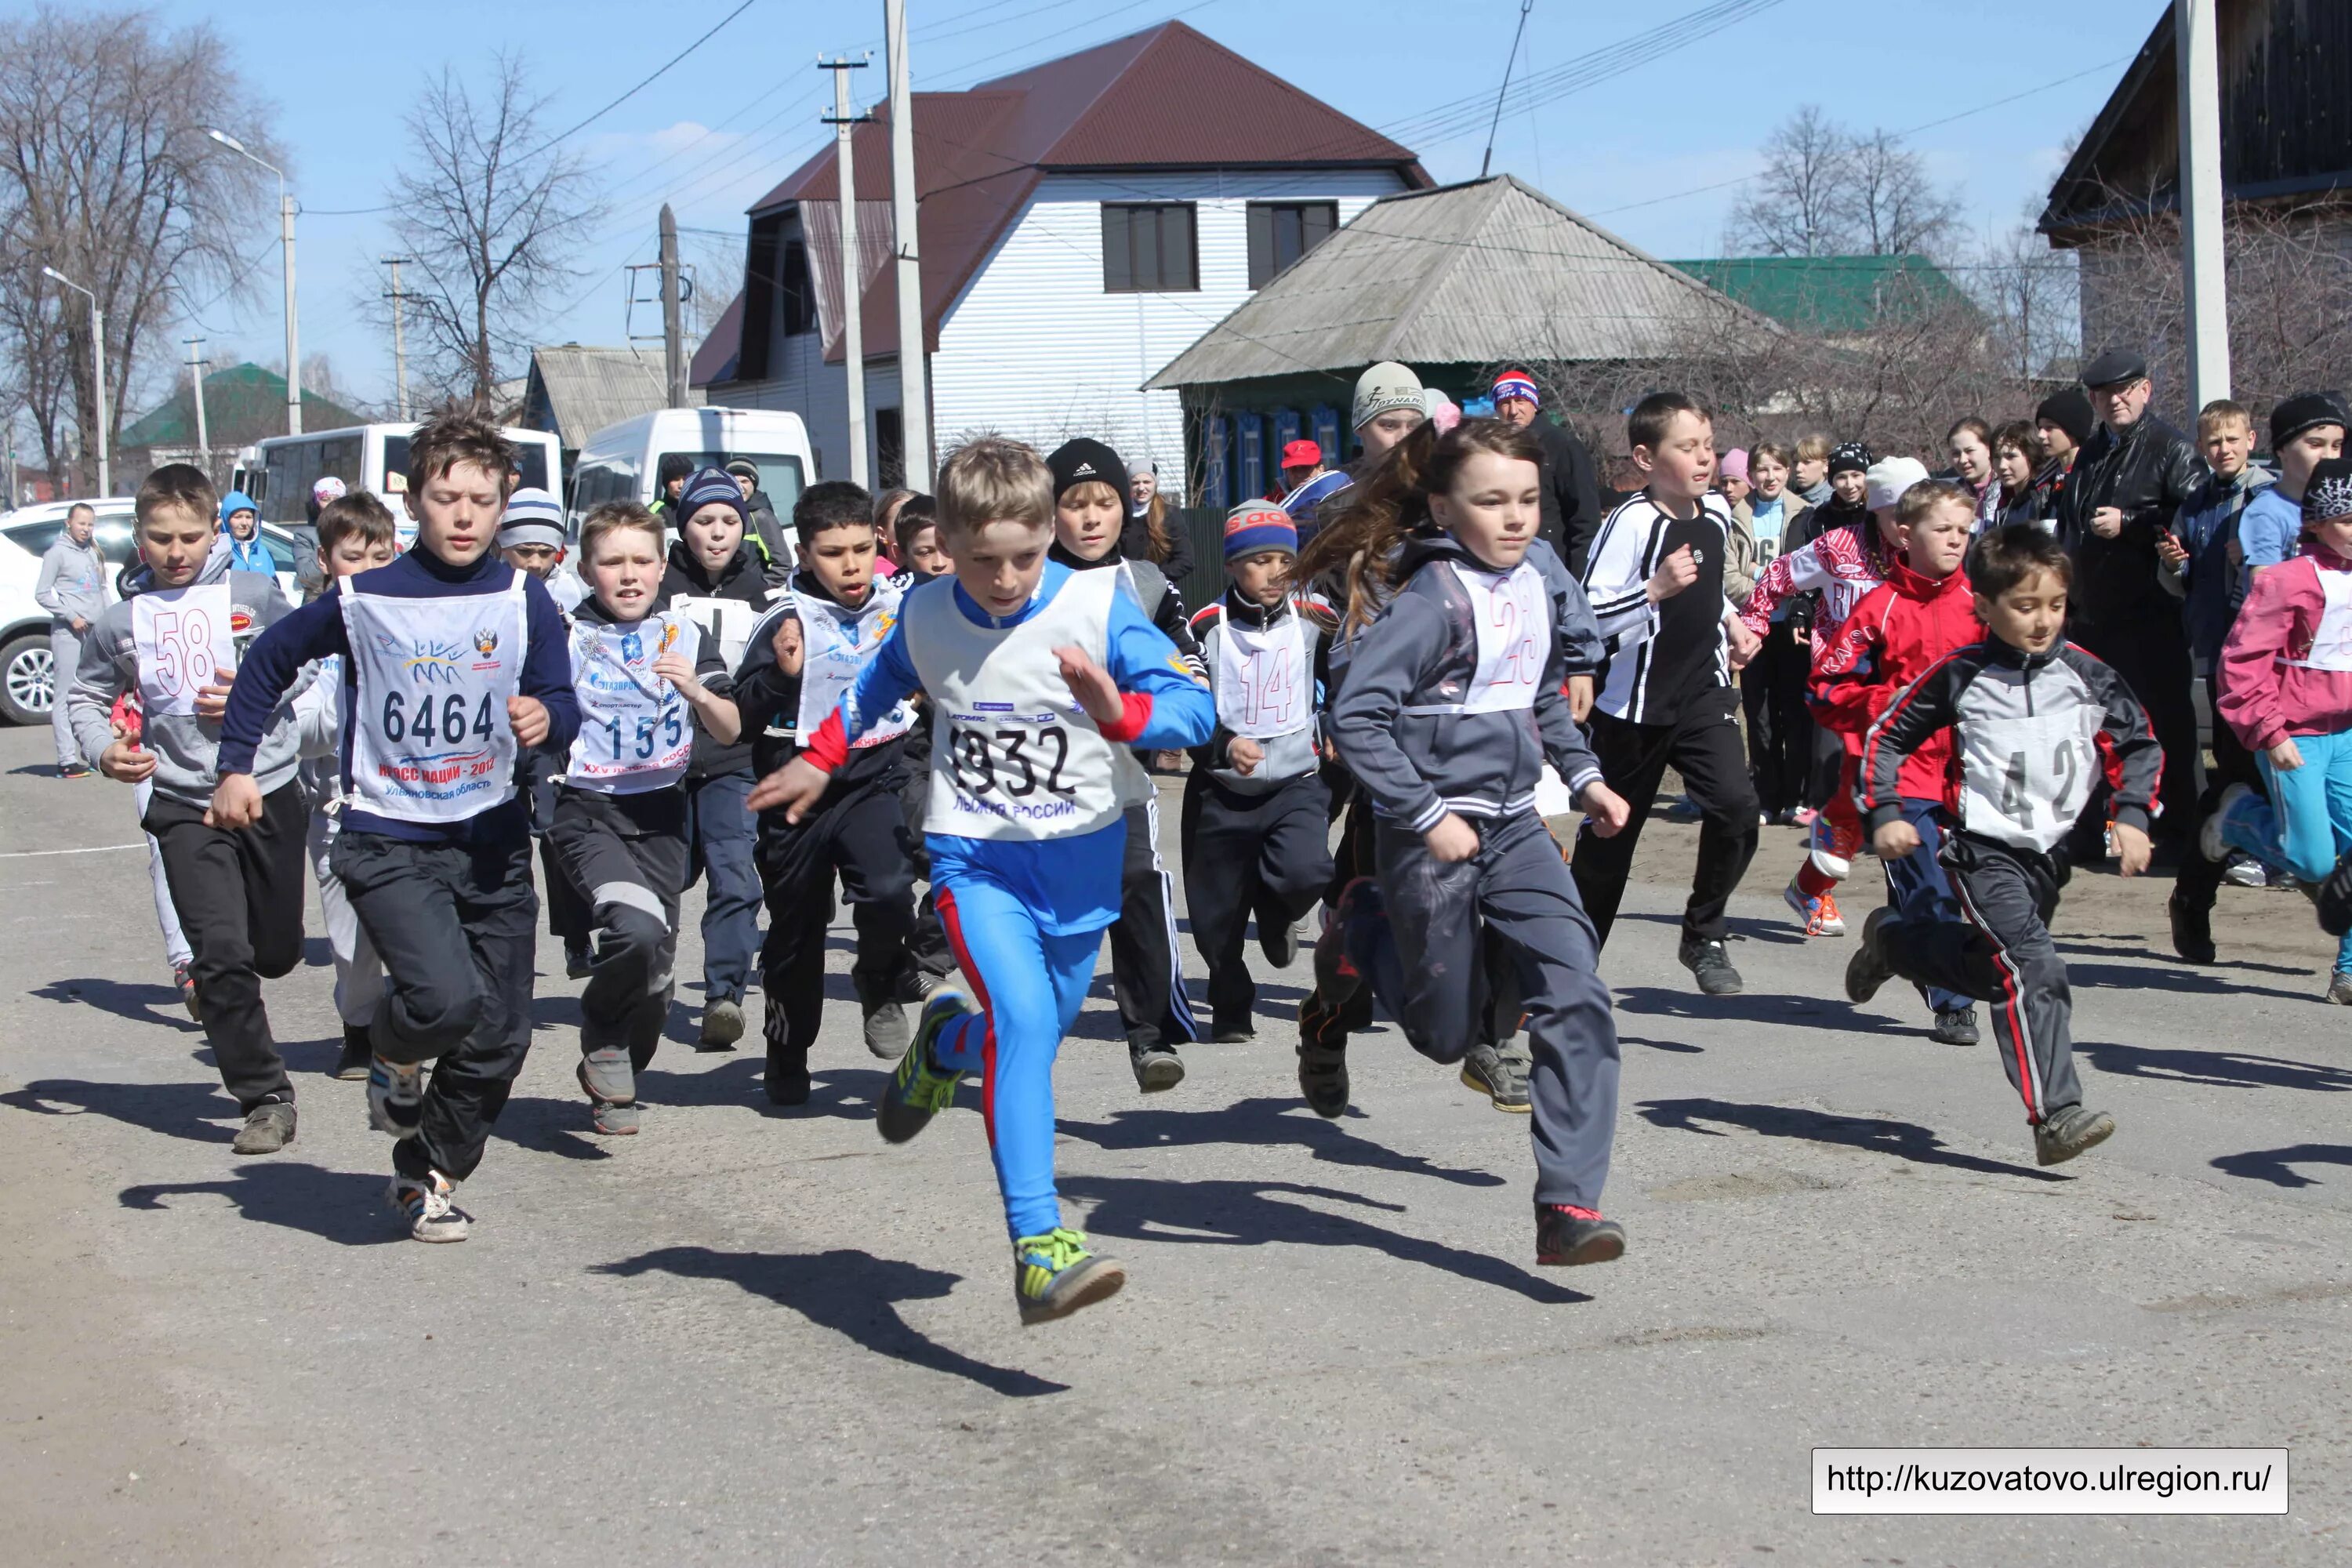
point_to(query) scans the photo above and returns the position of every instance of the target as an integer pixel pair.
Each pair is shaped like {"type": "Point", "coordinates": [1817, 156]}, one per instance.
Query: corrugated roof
{"type": "Point", "coordinates": [1480, 272]}
{"type": "Point", "coordinates": [575, 391]}
{"type": "Point", "coordinates": [1829, 293]}
{"type": "Point", "coordinates": [1166, 97]}
{"type": "Point", "coordinates": [243, 403]}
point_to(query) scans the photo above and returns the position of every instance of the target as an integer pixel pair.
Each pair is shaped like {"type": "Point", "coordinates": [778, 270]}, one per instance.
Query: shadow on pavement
{"type": "Point", "coordinates": [2189, 982]}
{"type": "Point", "coordinates": [1271, 1121]}
{"type": "Point", "coordinates": [174, 1110]}
{"type": "Point", "coordinates": [341, 1207]}
{"type": "Point", "coordinates": [2222, 1069]}
{"type": "Point", "coordinates": [1758, 1007]}
{"type": "Point", "coordinates": [1250, 1214]}
{"type": "Point", "coordinates": [2276, 1166]}
{"type": "Point", "coordinates": [1904, 1140]}
{"type": "Point", "coordinates": [140, 1004]}
{"type": "Point", "coordinates": [1738, 928]}
{"type": "Point", "coordinates": [851, 1292]}
{"type": "Point", "coordinates": [2157, 955]}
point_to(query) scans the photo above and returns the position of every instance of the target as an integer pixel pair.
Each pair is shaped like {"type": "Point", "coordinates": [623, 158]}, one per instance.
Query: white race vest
{"type": "Point", "coordinates": [836, 644]}
{"type": "Point", "coordinates": [633, 733]}
{"type": "Point", "coordinates": [729, 623]}
{"type": "Point", "coordinates": [2026, 782]}
{"type": "Point", "coordinates": [184, 641]}
{"type": "Point", "coordinates": [430, 738]}
{"type": "Point", "coordinates": [1012, 754]}
{"type": "Point", "coordinates": [1264, 688]}
{"type": "Point", "coordinates": [2331, 643]}
{"type": "Point", "coordinates": [1512, 611]}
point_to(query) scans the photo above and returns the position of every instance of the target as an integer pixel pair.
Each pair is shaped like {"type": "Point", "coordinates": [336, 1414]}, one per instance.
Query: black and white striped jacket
{"type": "Point", "coordinates": [1661, 656]}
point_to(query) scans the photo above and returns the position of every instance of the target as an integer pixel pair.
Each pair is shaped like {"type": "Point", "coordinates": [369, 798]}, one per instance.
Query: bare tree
{"type": "Point", "coordinates": [1797, 206]}
{"type": "Point", "coordinates": [1892, 207]}
{"type": "Point", "coordinates": [717, 279]}
{"type": "Point", "coordinates": [105, 174]}
{"type": "Point", "coordinates": [492, 213]}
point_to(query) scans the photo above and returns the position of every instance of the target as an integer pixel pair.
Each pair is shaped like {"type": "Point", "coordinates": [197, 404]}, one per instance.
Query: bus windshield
{"type": "Point", "coordinates": [780, 472]}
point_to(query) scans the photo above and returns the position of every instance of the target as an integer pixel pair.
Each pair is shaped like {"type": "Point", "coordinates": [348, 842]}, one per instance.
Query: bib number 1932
{"type": "Point", "coordinates": [1019, 762]}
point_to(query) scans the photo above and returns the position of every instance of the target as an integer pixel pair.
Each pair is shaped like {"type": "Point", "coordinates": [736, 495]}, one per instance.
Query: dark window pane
{"type": "Point", "coordinates": [1147, 249]}
{"type": "Point", "coordinates": [1144, 223]}
{"type": "Point", "coordinates": [1286, 227]}
{"type": "Point", "coordinates": [1321, 218]}
{"type": "Point", "coordinates": [1176, 247]}
{"type": "Point", "coordinates": [1261, 244]}
{"type": "Point", "coordinates": [1118, 266]}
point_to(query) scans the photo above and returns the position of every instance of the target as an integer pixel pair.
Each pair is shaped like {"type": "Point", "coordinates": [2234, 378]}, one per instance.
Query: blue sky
{"type": "Point", "coordinates": [724, 125]}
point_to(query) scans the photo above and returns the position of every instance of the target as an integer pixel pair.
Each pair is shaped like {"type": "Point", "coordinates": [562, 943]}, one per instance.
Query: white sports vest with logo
{"type": "Point", "coordinates": [633, 733]}
{"type": "Point", "coordinates": [430, 738]}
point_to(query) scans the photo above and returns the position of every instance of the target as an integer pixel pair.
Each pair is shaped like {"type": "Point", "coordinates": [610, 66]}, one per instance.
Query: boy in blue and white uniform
{"type": "Point", "coordinates": [1041, 680]}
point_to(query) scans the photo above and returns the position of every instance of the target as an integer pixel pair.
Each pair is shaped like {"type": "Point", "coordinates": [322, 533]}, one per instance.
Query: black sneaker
{"type": "Point", "coordinates": [268, 1127]}
{"type": "Point", "coordinates": [2067, 1131]}
{"type": "Point", "coordinates": [1234, 1033]}
{"type": "Point", "coordinates": [1866, 970]}
{"type": "Point", "coordinates": [1158, 1068]}
{"type": "Point", "coordinates": [1322, 1060]}
{"type": "Point", "coordinates": [577, 960]}
{"type": "Point", "coordinates": [1497, 1077]}
{"type": "Point", "coordinates": [1706, 958]}
{"type": "Point", "coordinates": [2192, 929]}
{"type": "Point", "coordinates": [1566, 1237]}
{"type": "Point", "coordinates": [2334, 901]}
{"type": "Point", "coordinates": [788, 1076]}
{"type": "Point", "coordinates": [352, 1065]}
{"type": "Point", "coordinates": [1278, 940]}
{"type": "Point", "coordinates": [1955, 1027]}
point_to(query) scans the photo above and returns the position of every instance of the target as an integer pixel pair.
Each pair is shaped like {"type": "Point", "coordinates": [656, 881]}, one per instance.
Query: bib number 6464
{"type": "Point", "coordinates": [427, 722]}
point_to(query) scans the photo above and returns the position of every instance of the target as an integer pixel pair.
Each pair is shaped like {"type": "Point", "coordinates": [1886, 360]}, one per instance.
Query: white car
{"type": "Point", "coordinates": [28, 683]}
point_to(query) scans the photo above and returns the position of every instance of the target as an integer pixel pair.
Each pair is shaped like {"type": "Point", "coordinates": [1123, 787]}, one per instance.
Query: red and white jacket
{"type": "Point", "coordinates": [1841, 563]}
{"type": "Point", "coordinates": [2286, 667]}
{"type": "Point", "coordinates": [1894, 636]}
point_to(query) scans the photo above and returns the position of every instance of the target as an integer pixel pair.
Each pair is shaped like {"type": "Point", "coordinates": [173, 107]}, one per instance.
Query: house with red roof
{"type": "Point", "coordinates": [1081, 223]}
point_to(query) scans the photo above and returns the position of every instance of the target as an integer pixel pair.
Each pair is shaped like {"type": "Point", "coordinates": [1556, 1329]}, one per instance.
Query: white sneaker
{"type": "Point", "coordinates": [426, 1205]}
{"type": "Point", "coordinates": [2211, 843]}
{"type": "Point", "coordinates": [395, 1096]}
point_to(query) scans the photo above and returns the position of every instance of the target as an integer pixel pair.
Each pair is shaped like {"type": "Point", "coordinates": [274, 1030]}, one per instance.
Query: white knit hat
{"type": "Point", "coordinates": [1888, 477]}
{"type": "Point", "coordinates": [1386, 385]}
{"type": "Point", "coordinates": [532, 517]}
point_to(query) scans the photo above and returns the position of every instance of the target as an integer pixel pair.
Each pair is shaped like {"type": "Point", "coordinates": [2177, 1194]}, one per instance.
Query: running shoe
{"type": "Point", "coordinates": [395, 1096]}
{"type": "Point", "coordinates": [73, 771]}
{"type": "Point", "coordinates": [2335, 900]}
{"type": "Point", "coordinates": [608, 1076]}
{"type": "Point", "coordinates": [1336, 975]}
{"type": "Point", "coordinates": [921, 1088]}
{"type": "Point", "coordinates": [2067, 1131]}
{"type": "Point", "coordinates": [1867, 970]}
{"type": "Point", "coordinates": [1322, 1057]}
{"type": "Point", "coordinates": [1157, 1067]}
{"type": "Point", "coordinates": [1707, 959]}
{"type": "Point", "coordinates": [1278, 940]}
{"type": "Point", "coordinates": [2245, 871]}
{"type": "Point", "coordinates": [268, 1127]}
{"type": "Point", "coordinates": [1566, 1235]}
{"type": "Point", "coordinates": [722, 1024]}
{"type": "Point", "coordinates": [612, 1120]}
{"type": "Point", "coordinates": [2193, 928]}
{"type": "Point", "coordinates": [1803, 816]}
{"type": "Point", "coordinates": [788, 1076]}
{"type": "Point", "coordinates": [2212, 840]}
{"type": "Point", "coordinates": [186, 985]}
{"type": "Point", "coordinates": [1054, 1274]}
{"type": "Point", "coordinates": [1684, 809]}
{"type": "Point", "coordinates": [1955, 1027]}
{"type": "Point", "coordinates": [426, 1205]}
{"type": "Point", "coordinates": [578, 960]}
{"type": "Point", "coordinates": [1496, 1076]}
{"type": "Point", "coordinates": [885, 1027]}
{"type": "Point", "coordinates": [1832, 847]}
{"type": "Point", "coordinates": [1807, 907]}
{"type": "Point", "coordinates": [1833, 923]}
{"type": "Point", "coordinates": [2339, 988]}
{"type": "Point", "coordinates": [352, 1065]}
{"type": "Point", "coordinates": [1231, 1034]}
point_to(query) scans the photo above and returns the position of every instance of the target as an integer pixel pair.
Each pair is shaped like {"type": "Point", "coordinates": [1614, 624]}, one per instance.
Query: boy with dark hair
{"type": "Point", "coordinates": [532, 539]}
{"type": "Point", "coordinates": [2033, 723]}
{"type": "Point", "coordinates": [236, 885]}
{"type": "Point", "coordinates": [2306, 431]}
{"type": "Point", "coordinates": [1656, 585]}
{"type": "Point", "coordinates": [1256, 811]}
{"type": "Point", "coordinates": [453, 662]}
{"type": "Point", "coordinates": [802, 657]}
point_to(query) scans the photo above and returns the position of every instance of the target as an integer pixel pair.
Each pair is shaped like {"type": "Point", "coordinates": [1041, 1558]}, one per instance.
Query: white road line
{"type": "Point", "coordinates": [94, 849]}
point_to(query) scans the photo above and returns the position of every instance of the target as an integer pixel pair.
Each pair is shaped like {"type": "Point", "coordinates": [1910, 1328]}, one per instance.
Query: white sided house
{"type": "Point", "coordinates": [1082, 224]}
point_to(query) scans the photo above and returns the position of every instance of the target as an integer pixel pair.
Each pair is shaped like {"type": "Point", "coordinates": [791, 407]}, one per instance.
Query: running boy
{"type": "Point", "coordinates": [356, 534]}
{"type": "Point", "coordinates": [1256, 811]}
{"type": "Point", "coordinates": [532, 539]}
{"type": "Point", "coordinates": [1656, 585]}
{"type": "Point", "coordinates": [802, 657]}
{"type": "Point", "coordinates": [236, 884]}
{"type": "Point", "coordinates": [454, 661]}
{"type": "Point", "coordinates": [2032, 721]}
{"type": "Point", "coordinates": [1923, 611]}
{"type": "Point", "coordinates": [1452, 706]}
{"type": "Point", "coordinates": [1043, 678]}
{"type": "Point", "coordinates": [620, 825]}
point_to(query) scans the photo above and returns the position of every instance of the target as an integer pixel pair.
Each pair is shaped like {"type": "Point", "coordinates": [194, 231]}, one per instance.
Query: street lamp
{"type": "Point", "coordinates": [286, 236]}
{"type": "Point", "coordinates": [97, 353]}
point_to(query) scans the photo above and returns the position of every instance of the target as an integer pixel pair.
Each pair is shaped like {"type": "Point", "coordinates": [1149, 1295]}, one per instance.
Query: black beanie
{"type": "Point", "coordinates": [1083, 459]}
{"type": "Point", "coordinates": [2070, 410]}
{"type": "Point", "coordinates": [2302, 412]}
{"type": "Point", "coordinates": [1853, 456]}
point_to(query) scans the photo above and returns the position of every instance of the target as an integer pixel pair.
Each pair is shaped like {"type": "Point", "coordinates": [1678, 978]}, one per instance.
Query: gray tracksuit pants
{"type": "Point", "coordinates": [627, 855]}
{"type": "Point", "coordinates": [2003, 956]}
{"type": "Point", "coordinates": [1519, 888]}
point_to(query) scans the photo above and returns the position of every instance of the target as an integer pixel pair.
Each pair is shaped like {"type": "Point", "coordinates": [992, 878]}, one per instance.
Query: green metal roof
{"type": "Point", "coordinates": [242, 404]}
{"type": "Point", "coordinates": [1828, 293]}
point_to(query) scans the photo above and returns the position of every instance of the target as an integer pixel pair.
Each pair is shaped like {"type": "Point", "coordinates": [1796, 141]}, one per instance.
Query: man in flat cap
{"type": "Point", "coordinates": [2127, 486]}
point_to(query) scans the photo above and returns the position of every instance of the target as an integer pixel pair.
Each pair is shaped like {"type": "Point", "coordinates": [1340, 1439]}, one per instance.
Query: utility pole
{"type": "Point", "coordinates": [399, 338]}
{"type": "Point", "coordinates": [2203, 261]}
{"type": "Point", "coordinates": [98, 357]}
{"type": "Point", "coordinates": [196, 391]}
{"type": "Point", "coordinates": [853, 264]}
{"type": "Point", "coordinates": [286, 239]}
{"type": "Point", "coordinates": [673, 343]}
{"type": "Point", "coordinates": [914, 393]}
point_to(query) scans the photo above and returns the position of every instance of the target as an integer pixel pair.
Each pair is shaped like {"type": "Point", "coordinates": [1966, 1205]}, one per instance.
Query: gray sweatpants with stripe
{"type": "Point", "coordinates": [2003, 957]}
{"type": "Point", "coordinates": [1517, 888]}
{"type": "Point", "coordinates": [627, 855]}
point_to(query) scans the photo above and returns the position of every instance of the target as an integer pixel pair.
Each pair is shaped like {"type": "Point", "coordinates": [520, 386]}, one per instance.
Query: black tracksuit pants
{"type": "Point", "coordinates": [2153, 659]}
{"type": "Point", "coordinates": [239, 898]}
{"type": "Point", "coordinates": [1145, 975]}
{"type": "Point", "coordinates": [859, 831]}
{"type": "Point", "coordinates": [1264, 855]}
{"type": "Point", "coordinates": [2004, 956]}
{"type": "Point", "coordinates": [1443, 917]}
{"type": "Point", "coordinates": [454, 922]}
{"type": "Point", "coordinates": [927, 943]}
{"type": "Point", "coordinates": [625, 857]}
{"type": "Point", "coordinates": [2197, 883]}
{"type": "Point", "coordinates": [1703, 746]}
{"type": "Point", "coordinates": [1779, 726]}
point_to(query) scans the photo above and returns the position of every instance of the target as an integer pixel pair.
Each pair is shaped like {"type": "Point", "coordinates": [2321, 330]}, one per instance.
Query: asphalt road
{"type": "Point", "coordinates": [750, 1336]}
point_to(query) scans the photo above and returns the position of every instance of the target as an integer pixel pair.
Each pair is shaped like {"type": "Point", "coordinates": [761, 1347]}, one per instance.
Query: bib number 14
{"type": "Point", "coordinates": [1018, 762]}
{"type": "Point", "coordinates": [445, 721]}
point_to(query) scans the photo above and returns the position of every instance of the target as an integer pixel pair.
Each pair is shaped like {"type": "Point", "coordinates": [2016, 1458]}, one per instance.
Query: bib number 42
{"type": "Point", "coordinates": [428, 722]}
{"type": "Point", "coordinates": [1017, 761]}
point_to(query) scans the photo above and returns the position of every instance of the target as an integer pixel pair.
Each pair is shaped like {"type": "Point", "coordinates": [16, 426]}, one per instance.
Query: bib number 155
{"type": "Point", "coordinates": [1019, 762]}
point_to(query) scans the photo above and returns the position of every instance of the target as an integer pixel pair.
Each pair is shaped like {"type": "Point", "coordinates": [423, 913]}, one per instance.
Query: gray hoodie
{"type": "Point", "coordinates": [1287, 756]}
{"type": "Point", "coordinates": [185, 745]}
{"type": "Point", "coordinates": [72, 582]}
{"type": "Point", "coordinates": [1422, 654]}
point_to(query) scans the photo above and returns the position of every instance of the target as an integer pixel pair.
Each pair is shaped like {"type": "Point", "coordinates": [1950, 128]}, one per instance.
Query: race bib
{"type": "Point", "coordinates": [2331, 645]}
{"type": "Point", "coordinates": [430, 740]}
{"type": "Point", "coordinates": [836, 644]}
{"type": "Point", "coordinates": [1263, 681]}
{"type": "Point", "coordinates": [633, 733]}
{"type": "Point", "coordinates": [1514, 617]}
{"type": "Point", "coordinates": [184, 638]}
{"type": "Point", "coordinates": [2026, 782]}
{"type": "Point", "coordinates": [728, 622]}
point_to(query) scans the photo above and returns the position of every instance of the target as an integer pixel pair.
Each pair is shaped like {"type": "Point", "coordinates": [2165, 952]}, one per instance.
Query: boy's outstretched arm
{"type": "Point", "coordinates": [1164, 705]}
{"type": "Point", "coordinates": [887, 680]}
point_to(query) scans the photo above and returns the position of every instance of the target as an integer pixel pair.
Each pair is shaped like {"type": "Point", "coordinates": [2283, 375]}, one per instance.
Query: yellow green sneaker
{"type": "Point", "coordinates": [920, 1088]}
{"type": "Point", "coordinates": [1054, 1274]}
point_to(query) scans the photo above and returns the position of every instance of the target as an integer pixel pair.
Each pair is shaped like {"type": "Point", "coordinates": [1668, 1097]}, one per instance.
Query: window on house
{"type": "Point", "coordinates": [890, 447]}
{"type": "Point", "coordinates": [1282, 232]}
{"type": "Point", "coordinates": [798, 290]}
{"type": "Point", "coordinates": [1149, 249]}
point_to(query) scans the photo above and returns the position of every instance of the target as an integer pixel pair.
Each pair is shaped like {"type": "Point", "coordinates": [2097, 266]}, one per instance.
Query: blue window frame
{"type": "Point", "coordinates": [1252, 441]}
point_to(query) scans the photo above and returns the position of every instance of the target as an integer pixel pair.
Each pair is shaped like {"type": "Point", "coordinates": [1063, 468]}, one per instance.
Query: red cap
{"type": "Point", "coordinates": [1301, 454]}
